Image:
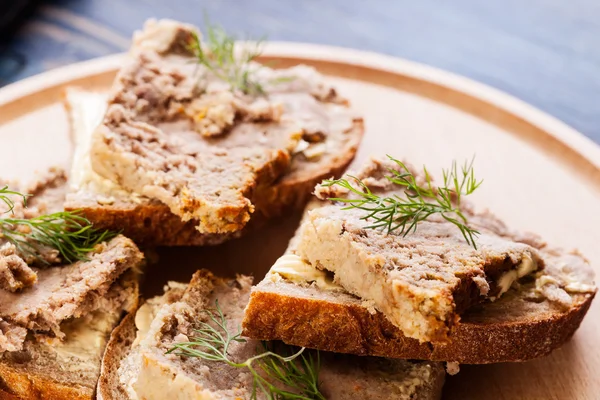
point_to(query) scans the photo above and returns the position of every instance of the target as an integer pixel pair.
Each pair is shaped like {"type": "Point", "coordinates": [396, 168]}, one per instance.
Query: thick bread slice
{"type": "Point", "coordinates": [158, 376]}
{"type": "Point", "coordinates": [514, 328]}
{"type": "Point", "coordinates": [302, 306]}
{"type": "Point", "coordinates": [334, 131]}
{"type": "Point", "coordinates": [69, 369]}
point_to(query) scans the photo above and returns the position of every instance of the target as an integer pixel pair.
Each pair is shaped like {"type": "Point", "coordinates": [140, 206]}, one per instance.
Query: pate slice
{"type": "Point", "coordinates": [65, 292]}
{"type": "Point", "coordinates": [421, 281]}
{"type": "Point", "coordinates": [176, 132]}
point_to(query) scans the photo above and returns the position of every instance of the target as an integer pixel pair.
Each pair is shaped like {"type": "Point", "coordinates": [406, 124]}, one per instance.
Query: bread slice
{"type": "Point", "coordinates": [305, 306]}
{"type": "Point", "coordinates": [49, 367]}
{"type": "Point", "coordinates": [53, 329]}
{"type": "Point", "coordinates": [135, 362]}
{"type": "Point", "coordinates": [326, 120]}
{"type": "Point", "coordinates": [154, 139]}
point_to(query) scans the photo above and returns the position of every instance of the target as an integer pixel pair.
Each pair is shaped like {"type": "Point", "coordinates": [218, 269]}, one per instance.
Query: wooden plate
{"type": "Point", "coordinates": [539, 175]}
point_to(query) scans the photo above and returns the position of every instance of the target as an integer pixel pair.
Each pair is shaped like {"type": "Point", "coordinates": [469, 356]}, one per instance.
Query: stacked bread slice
{"type": "Point", "coordinates": [137, 363]}
{"type": "Point", "coordinates": [426, 295]}
{"type": "Point", "coordinates": [174, 157]}
{"type": "Point", "coordinates": [55, 325]}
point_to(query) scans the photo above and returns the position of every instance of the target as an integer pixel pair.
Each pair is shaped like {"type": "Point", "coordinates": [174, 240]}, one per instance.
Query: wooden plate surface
{"type": "Point", "coordinates": [539, 174]}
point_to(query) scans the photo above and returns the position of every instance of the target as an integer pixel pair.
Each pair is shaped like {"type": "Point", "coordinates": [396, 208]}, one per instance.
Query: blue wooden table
{"type": "Point", "coordinates": [546, 52]}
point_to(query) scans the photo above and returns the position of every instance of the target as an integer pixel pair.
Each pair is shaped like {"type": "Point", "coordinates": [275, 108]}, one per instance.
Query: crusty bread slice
{"type": "Point", "coordinates": [514, 328]}
{"type": "Point", "coordinates": [303, 306]}
{"type": "Point", "coordinates": [331, 135]}
{"type": "Point", "coordinates": [135, 359]}
{"type": "Point", "coordinates": [53, 331]}
{"type": "Point", "coordinates": [48, 368]}
{"type": "Point", "coordinates": [189, 141]}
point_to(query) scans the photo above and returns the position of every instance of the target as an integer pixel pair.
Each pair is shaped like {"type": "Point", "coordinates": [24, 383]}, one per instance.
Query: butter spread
{"type": "Point", "coordinates": [159, 380]}
{"type": "Point", "coordinates": [578, 287]}
{"type": "Point", "coordinates": [87, 111]}
{"type": "Point", "coordinates": [526, 267]}
{"type": "Point", "coordinates": [310, 150]}
{"type": "Point", "coordinates": [143, 320]}
{"type": "Point", "coordinates": [85, 339]}
{"type": "Point", "coordinates": [315, 150]}
{"type": "Point", "coordinates": [294, 269]}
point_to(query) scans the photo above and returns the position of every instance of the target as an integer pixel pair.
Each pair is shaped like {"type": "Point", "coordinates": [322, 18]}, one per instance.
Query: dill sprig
{"type": "Point", "coordinates": [212, 343]}
{"type": "Point", "coordinates": [217, 53]}
{"type": "Point", "coordinates": [420, 201]}
{"type": "Point", "coordinates": [71, 234]}
{"type": "Point", "coordinates": [303, 376]}
{"type": "Point", "coordinates": [5, 192]}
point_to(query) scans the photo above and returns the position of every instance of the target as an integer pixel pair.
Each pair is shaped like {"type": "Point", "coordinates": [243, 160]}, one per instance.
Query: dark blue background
{"type": "Point", "coordinates": [546, 52]}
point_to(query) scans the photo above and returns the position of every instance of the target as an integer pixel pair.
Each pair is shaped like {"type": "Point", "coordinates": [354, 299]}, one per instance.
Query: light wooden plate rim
{"type": "Point", "coordinates": [519, 109]}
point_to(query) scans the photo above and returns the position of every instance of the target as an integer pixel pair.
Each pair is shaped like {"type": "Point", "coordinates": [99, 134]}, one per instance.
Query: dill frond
{"type": "Point", "coordinates": [217, 53]}
{"type": "Point", "coordinates": [212, 341]}
{"type": "Point", "coordinates": [403, 213]}
{"type": "Point", "coordinates": [71, 234]}
{"type": "Point", "coordinates": [5, 192]}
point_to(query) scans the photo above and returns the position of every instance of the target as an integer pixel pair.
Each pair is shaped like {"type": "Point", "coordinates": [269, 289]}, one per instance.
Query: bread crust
{"type": "Point", "coordinates": [351, 328]}
{"type": "Point", "coordinates": [288, 195]}
{"type": "Point", "coordinates": [120, 342]}
{"type": "Point", "coordinates": [149, 222]}
{"type": "Point", "coordinates": [37, 388]}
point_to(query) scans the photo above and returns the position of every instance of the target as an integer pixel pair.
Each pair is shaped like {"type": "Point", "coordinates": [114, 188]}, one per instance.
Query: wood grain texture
{"type": "Point", "coordinates": [545, 52]}
{"type": "Point", "coordinates": [529, 160]}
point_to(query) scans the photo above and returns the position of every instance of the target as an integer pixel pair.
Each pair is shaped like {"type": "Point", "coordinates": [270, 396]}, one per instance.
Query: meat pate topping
{"type": "Point", "coordinates": [15, 274]}
{"type": "Point", "coordinates": [176, 132]}
{"type": "Point", "coordinates": [432, 274]}
{"type": "Point", "coordinates": [66, 292]}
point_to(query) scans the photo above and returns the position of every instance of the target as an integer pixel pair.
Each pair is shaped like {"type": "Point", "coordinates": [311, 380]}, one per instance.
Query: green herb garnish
{"type": "Point", "coordinates": [296, 371]}
{"type": "Point", "coordinates": [5, 192]}
{"type": "Point", "coordinates": [217, 53]}
{"type": "Point", "coordinates": [68, 232]}
{"type": "Point", "coordinates": [403, 213]}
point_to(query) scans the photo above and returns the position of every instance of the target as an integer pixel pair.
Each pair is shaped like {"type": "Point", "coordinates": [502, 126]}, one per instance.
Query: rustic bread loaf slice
{"type": "Point", "coordinates": [303, 305]}
{"type": "Point", "coordinates": [521, 325]}
{"type": "Point", "coordinates": [135, 363]}
{"type": "Point", "coordinates": [431, 274]}
{"type": "Point", "coordinates": [175, 132]}
{"type": "Point", "coordinates": [53, 331]}
{"type": "Point", "coordinates": [51, 368]}
{"type": "Point", "coordinates": [331, 135]}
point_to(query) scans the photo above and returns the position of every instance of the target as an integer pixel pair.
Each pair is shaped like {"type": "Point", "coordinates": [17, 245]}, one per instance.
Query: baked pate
{"type": "Point", "coordinates": [194, 114]}
{"type": "Point", "coordinates": [421, 281]}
